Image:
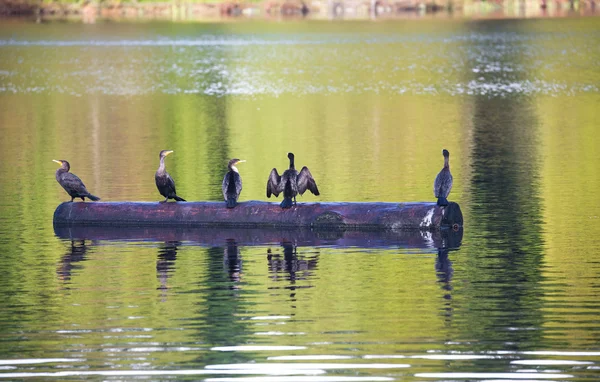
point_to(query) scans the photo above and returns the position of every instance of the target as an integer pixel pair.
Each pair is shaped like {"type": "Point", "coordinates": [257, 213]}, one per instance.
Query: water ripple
{"type": "Point", "coordinates": [256, 348]}
{"type": "Point", "coordinates": [504, 376]}
{"type": "Point", "coordinates": [140, 373]}
{"type": "Point", "coordinates": [310, 366]}
{"type": "Point", "coordinates": [470, 64]}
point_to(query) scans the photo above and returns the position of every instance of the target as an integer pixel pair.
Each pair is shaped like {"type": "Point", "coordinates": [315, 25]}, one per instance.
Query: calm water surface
{"type": "Point", "coordinates": [368, 108]}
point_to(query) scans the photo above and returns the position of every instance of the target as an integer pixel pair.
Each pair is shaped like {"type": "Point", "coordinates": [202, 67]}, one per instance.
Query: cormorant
{"type": "Point", "coordinates": [291, 183]}
{"type": "Point", "coordinates": [443, 182]}
{"type": "Point", "coordinates": [71, 182]}
{"type": "Point", "coordinates": [164, 182]}
{"type": "Point", "coordinates": [232, 183]}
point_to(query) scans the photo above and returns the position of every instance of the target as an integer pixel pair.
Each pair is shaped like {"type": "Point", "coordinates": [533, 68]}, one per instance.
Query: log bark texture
{"type": "Point", "coordinates": [256, 214]}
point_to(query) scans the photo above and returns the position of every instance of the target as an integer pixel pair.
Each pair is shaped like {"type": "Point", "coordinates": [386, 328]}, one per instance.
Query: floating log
{"type": "Point", "coordinates": [255, 214]}
{"type": "Point", "coordinates": [218, 237]}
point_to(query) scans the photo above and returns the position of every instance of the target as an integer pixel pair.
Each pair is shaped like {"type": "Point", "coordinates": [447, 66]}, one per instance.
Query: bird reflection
{"type": "Point", "coordinates": [444, 270]}
{"type": "Point", "coordinates": [75, 253]}
{"type": "Point", "coordinates": [232, 262]}
{"type": "Point", "coordinates": [165, 264]}
{"type": "Point", "coordinates": [294, 268]}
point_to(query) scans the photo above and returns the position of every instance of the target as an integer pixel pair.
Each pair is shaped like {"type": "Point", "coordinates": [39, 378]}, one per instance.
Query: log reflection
{"type": "Point", "coordinates": [220, 237]}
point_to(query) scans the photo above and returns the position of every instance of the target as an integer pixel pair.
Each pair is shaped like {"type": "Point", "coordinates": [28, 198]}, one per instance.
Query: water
{"type": "Point", "coordinates": [368, 108]}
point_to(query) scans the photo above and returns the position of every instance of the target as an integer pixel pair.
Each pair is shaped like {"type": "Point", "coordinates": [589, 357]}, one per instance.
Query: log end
{"type": "Point", "coordinates": [452, 216]}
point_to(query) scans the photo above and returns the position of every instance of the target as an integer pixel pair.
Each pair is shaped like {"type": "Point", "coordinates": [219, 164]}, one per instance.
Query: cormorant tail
{"type": "Point", "coordinates": [286, 203]}
{"type": "Point", "coordinates": [231, 203]}
{"type": "Point", "coordinates": [442, 201]}
{"type": "Point", "coordinates": [92, 197]}
{"type": "Point", "coordinates": [177, 198]}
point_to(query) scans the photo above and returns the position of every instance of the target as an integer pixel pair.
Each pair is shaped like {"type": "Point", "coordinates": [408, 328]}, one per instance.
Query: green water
{"type": "Point", "coordinates": [368, 107]}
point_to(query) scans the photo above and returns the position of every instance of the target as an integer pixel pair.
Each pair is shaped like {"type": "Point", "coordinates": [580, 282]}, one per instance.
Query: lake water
{"type": "Point", "coordinates": [368, 107]}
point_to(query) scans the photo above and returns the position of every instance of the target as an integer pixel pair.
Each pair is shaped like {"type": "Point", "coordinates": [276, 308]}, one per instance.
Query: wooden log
{"type": "Point", "coordinates": [218, 237]}
{"type": "Point", "coordinates": [255, 214]}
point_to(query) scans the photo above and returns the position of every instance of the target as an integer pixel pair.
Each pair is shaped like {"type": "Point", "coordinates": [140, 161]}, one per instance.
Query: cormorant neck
{"type": "Point", "coordinates": [233, 168]}
{"type": "Point", "coordinates": [292, 163]}
{"type": "Point", "coordinates": [446, 162]}
{"type": "Point", "coordinates": [161, 167]}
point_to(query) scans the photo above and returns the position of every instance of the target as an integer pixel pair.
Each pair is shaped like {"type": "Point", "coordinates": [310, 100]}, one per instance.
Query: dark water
{"type": "Point", "coordinates": [368, 107]}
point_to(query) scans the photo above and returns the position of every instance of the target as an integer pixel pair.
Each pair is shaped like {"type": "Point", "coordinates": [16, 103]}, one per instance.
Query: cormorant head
{"type": "Point", "coordinates": [290, 156]}
{"type": "Point", "coordinates": [63, 163]}
{"type": "Point", "coordinates": [164, 153]}
{"type": "Point", "coordinates": [234, 162]}
{"type": "Point", "coordinates": [446, 153]}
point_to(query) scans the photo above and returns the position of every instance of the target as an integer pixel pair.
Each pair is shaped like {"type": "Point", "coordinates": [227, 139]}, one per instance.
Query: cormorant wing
{"type": "Point", "coordinates": [306, 182]}
{"type": "Point", "coordinates": [273, 183]}
{"type": "Point", "coordinates": [171, 183]}
{"type": "Point", "coordinates": [238, 184]}
{"type": "Point", "coordinates": [225, 185]}
{"type": "Point", "coordinates": [436, 184]}
{"type": "Point", "coordinates": [72, 183]}
{"type": "Point", "coordinates": [443, 184]}
{"type": "Point", "coordinates": [449, 183]}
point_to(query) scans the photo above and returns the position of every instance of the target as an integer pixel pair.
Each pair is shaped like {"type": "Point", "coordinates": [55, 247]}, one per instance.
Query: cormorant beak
{"type": "Point", "coordinates": [240, 161]}
{"type": "Point", "coordinates": [57, 161]}
{"type": "Point", "coordinates": [168, 152]}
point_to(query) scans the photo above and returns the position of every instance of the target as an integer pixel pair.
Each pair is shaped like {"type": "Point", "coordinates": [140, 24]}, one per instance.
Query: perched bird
{"type": "Point", "coordinates": [291, 183]}
{"type": "Point", "coordinates": [164, 182]}
{"type": "Point", "coordinates": [443, 182]}
{"type": "Point", "coordinates": [232, 183]}
{"type": "Point", "coordinates": [71, 182]}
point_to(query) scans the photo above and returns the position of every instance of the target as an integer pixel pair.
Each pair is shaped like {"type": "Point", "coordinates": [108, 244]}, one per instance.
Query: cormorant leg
{"type": "Point", "coordinates": [166, 199]}
{"type": "Point", "coordinates": [83, 198]}
{"type": "Point", "coordinates": [294, 200]}
{"type": "Point", "coordinates": [72, 198]}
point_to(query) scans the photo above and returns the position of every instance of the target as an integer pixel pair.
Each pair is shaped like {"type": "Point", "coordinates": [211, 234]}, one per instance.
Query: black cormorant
{"type": "Point", "coordinates": [443, 182]}
{"type": "Point", "coordinates": [164, 182]}
{"type": "Point", "coordinates": [71, 182]}
{"type": "Point", "coordinates": [291, 183]}
{"type": "Point", "coordinates": [232, 183]}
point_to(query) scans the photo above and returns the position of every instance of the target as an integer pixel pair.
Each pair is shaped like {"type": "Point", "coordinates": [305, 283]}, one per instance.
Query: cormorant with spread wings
{"type": "Point", "coordinates": [291, 183]}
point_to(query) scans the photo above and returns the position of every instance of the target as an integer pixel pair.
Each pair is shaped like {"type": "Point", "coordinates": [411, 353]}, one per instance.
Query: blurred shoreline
{"type": "Point", "coordinates": [226, 11]}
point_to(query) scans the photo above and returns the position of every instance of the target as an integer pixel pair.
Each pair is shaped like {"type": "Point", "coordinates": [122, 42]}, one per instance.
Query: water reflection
{"type": "Point", "coordinates": [451, 241]}
{"type": "Point", "coordinates": [165, 264]}
{"type": "Point", "coordinates": [506, 249]}
{"type": "Point", "coordinates": [218, 237]}
{"type": "Point", "coordinates": [444, 270]}
{"type": "Point", "coordinates": [292, 267]}
{"type": "Point", "coordinates": [232, 261]}
{"type": "Point", "coordinates": [216, 320]}
{"type": "Point", "coordinates": [77, 252]}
